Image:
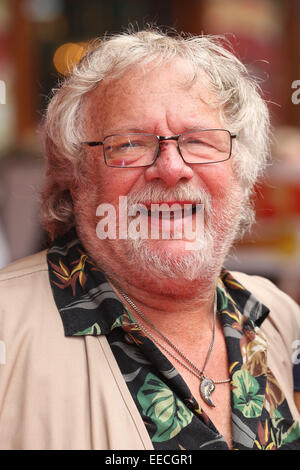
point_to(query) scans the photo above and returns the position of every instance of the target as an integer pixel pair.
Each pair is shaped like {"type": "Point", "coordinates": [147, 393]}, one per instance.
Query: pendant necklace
{"type": "Point", "coordinates": [207, 385]}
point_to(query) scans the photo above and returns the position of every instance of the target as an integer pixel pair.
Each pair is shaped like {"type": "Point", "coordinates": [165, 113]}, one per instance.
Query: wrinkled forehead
{"type": "Point", "coordinates": [144, 84]}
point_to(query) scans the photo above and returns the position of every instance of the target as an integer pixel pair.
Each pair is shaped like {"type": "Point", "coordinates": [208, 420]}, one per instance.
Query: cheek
{"type": "Point", "coordinates": [219, 180]}
{"type": "Point", "coordinates": [105, 184]}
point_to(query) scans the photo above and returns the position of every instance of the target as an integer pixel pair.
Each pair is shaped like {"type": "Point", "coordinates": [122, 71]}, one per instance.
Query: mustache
{"type": "Point", "coordinates": [157, 193]}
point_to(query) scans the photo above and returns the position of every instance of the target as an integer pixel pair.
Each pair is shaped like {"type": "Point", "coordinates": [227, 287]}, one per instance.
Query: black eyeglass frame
{"type": "Point", "coordinates": [162, 138]}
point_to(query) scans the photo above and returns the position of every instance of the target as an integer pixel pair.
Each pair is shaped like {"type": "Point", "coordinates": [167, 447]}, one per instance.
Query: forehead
{"type": "Point", "coordinates": [147, 93]}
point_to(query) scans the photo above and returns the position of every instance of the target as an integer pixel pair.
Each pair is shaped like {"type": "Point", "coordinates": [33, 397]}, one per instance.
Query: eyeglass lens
{"type": "Point", "coordinates": [137, 149]}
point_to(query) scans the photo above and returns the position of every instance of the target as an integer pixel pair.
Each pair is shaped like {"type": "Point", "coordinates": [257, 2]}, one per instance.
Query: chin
{"type": "Point", "coordinates": [177, 273]}
{"type": "Point", "coordinates": [170, 259]}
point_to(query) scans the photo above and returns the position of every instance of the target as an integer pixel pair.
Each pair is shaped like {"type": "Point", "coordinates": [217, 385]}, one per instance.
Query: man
{"type": "Point", "coordinates": [124, 334]}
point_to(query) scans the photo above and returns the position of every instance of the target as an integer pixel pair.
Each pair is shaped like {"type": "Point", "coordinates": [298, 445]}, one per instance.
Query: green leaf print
{"type": "Point", "coordinates": [160, 404]}
{"type": "Point", "coordinates": [118, 322]}
{"type": "Point", "coordinates": [245, 397]}
{"type": "Point", "coordinates": [91, 330]}
{"type": "Point", "coordinates": [292, 434]}
{"type": "Point", "coordinates": [281, 436]}
{"type": "Point", "coordinates": [223, 297]}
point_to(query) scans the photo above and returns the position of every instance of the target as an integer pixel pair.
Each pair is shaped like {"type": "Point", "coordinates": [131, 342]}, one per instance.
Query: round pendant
{"type": "Point", "coordinates": [207, 386]}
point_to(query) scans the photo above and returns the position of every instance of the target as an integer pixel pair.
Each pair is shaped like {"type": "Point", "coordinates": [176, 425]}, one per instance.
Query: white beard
{"type": "Point", "coordinates": [205, 263]}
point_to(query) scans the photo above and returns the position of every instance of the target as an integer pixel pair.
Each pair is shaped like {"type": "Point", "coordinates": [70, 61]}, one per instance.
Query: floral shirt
{"type": "Point", "coordinates": [261, 418]}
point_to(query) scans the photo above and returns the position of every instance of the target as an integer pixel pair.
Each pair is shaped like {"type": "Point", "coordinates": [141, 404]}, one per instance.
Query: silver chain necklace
{"type": "Point", "coordinates": [207, 385]}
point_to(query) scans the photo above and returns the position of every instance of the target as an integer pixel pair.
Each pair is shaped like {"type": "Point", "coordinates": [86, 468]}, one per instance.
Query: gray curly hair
{"type": "Point", "coordinates": [242, 108]}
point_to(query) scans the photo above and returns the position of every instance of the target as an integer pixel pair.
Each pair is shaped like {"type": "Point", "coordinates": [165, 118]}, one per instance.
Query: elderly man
{"type": "Point", "coordinates": [124, 334]}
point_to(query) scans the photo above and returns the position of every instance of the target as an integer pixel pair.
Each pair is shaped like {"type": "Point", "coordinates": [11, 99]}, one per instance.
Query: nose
{"type": "Point", "coordinates": [169, 166]}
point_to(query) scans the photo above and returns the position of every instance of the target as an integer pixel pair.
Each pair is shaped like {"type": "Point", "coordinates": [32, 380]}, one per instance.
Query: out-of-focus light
{"type": "Point", "coordinates": [67, 56]}
{"type": "Point", "coordinates": [43, 10]}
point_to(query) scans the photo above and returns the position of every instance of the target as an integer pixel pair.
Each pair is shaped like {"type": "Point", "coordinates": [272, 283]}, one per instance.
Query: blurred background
{"type": "Point", "coordinates": [39, 39]}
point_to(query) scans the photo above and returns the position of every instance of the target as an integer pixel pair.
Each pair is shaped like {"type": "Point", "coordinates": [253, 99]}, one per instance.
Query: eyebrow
{"type": "Point", "coordinates": [143, 131]}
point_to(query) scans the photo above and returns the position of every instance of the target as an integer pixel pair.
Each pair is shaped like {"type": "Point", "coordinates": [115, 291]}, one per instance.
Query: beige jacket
{"type": "Point", "coordinates": [60, 392]}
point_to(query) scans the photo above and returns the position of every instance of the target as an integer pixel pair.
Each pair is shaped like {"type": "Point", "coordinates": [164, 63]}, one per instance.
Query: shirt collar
{"type": "Point", "coordinates": [89, 306]}
{"type": "Point", "coordinates": [84, 298]}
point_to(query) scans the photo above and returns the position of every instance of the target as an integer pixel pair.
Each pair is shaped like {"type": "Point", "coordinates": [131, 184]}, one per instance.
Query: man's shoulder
{"type": "Point", "coordinates": [25, 289]}
{"type": "Point", "coordinates": [284, 314]}
{"type": "Point", "coordinates": [24, 267]}
{"type": "Point", "coordinates": [266, 291]}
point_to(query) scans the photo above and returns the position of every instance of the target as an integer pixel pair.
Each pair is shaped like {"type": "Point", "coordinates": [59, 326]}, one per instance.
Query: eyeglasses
{"type": "Point", "coordinates": [199, 147]}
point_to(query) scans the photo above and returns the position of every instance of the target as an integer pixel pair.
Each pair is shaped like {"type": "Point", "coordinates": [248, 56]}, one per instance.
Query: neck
{"type": "Point", "coordinates": [166, 310]}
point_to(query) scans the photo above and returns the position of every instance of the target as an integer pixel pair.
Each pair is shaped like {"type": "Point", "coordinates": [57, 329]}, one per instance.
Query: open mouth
{"type": "Point", "coordinates": [168, 220]}
{"type": "Point", "coordinates": [169, 210]}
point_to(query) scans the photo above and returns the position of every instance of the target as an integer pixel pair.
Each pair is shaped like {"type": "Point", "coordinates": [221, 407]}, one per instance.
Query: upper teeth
{"type": "Point", "coordinates": [166, 209]}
